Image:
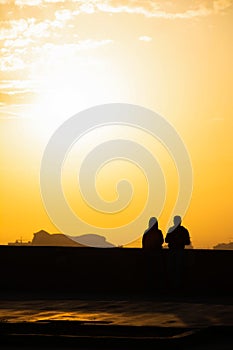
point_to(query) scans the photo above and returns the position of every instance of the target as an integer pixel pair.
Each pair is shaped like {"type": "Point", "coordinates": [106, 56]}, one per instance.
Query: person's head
{"type": "Point", "coordinates": [177, 220]}
{"type": "Point", "coordinates": [153, 221]}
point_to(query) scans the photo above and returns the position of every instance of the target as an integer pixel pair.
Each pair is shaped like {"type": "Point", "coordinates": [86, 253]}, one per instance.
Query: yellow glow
{"type": "Point", "coordinates": [66, 93]}
{"type": "Point", "coordinates": [174, 58]}
{"type": "Point", "coordinates": [108, 176]}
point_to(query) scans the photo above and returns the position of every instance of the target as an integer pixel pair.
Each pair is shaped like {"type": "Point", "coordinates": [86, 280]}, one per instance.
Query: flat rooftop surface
{"type": "Point", "coordinates": [120, 310]}
{"type": "Point", "coordinates": [116, 322]}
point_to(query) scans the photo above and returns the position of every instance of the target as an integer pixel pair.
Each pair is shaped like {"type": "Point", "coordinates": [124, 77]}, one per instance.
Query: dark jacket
{"type": "Point", "coordinates": [152, 239]}
{"type": "Point", "coordinates": [177, 238]}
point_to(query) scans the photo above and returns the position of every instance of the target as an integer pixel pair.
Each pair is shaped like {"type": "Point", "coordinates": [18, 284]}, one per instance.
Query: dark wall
{"type": "Point", "coordinates": [115, 270]}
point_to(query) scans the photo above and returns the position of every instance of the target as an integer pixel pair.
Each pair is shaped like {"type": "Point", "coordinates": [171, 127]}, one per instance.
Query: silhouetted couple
{"type": "Point", "coordinates": [177, 237]}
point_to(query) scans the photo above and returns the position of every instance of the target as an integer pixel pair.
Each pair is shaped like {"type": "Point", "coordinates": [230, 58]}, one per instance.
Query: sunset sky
{"type": "Point", "coordinates": [60, 57]}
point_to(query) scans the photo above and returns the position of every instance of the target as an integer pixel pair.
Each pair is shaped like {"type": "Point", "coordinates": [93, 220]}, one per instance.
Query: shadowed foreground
{"type": "Point", "coordinates": [109, 270]}
{"type": "Point", "coordinates": [116, 322]}
{"type": "Point", "coordinates": [88, 298]}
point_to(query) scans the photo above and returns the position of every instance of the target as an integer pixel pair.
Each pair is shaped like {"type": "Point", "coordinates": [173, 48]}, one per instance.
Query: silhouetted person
{"type": "Point", "coordinates": [177, 238]}
{"type": "Point", "coordinates": [152, 238]}
{"type": "Point", "coordinates": [152, 242]}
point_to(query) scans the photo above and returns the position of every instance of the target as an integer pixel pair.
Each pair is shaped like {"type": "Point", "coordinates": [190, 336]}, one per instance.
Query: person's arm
{"type": "Point", "coordinates": [187, 237]}
{"type": "Point", "coordinates": [161, 238]}
{"type": "Point", "coordinates": [167, 238]}
{"type": "Point", "coordinates": [143, 240]}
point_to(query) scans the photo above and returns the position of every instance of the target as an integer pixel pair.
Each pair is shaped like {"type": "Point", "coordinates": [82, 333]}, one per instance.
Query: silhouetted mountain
{"type": "Point", "coordinates": [224, 246]}
{"type": "Point", "coordinates": [43, 238]}
{"type": "Point", "coordinates": [93, 240]}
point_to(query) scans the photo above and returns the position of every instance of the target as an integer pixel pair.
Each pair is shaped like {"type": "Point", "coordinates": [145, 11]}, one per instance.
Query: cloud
{"type": "Point", "coordinates": [15, 105]}
{"type": "Point", "coordinates": [49, 31]}
{"type": "Point", "coordinates": [145, 38]}
{"type": "Point", "coordinates": [17, 85]}
{"type": "Point", "coordinates": [27, 28]}
{"type": "Point", "coordinates": [28, 2]}
{"type": "Point", "coordinates": [66, 50]}
{"type": "Point", "coordinates": [87, 8]}
{"type": "Point", "coordinates": [151, 9]}
{"type": "Point", "coordinates": [147, 8]}
{"type": "Point", "coordinates": [221, 5]}
{"type": "Point", "coordinates": [12, 63]}
{"type": "Point", "coordinates": [8, 115]}
{"type": "Point", "coordinates": [18, 42]}
{"type": "Point", "coordinates": [17, 56]}
{"type": "Point", "coordinates": [161, 9]}
{"type": "Point", "coordinates": [63, 15]}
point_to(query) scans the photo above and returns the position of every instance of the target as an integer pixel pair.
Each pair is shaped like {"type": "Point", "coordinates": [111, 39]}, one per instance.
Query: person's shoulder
{"type": "Point", "coordinates": [170, 230]}
{"type": "Point", "coordinates": [169, 233]}
{"type": "Point", "coordinates": [185, 232]}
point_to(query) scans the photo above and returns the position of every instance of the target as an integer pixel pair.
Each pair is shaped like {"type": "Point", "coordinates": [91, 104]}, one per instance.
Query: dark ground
{"type": "Point", "coordinates": [61, 298]}
{"type": "Point", "coordinates": [115, 322]}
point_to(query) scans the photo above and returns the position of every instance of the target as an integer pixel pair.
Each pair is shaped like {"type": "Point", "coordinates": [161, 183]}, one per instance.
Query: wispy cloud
{"type": "Point", "coordinates": [27, 2]}
{"type": "Point", "coordinates": [15, 57]}
{"type": "Point", "coordinates": [160, 9]}
{"type": "Point", "coordinates": [49, 33]}
{"type": "Point", "coordinates": [28, 28]}
{"type": "Point", "coordinates": [145, 38]}
{"type": "Point", "coordinates": [25, 42]}
{"type": "Point", "coordinates": [18, 85]}
{"type": "Point", "coordinates": [222, 5]}
{"type": "Point", "coordinates": [14, 111]}
{"type": "Point", "coordinates": [147, 8]}
{"type": "Point", "coordinates": [11, 63]}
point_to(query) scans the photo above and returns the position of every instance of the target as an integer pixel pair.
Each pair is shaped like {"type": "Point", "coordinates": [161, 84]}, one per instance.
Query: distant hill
{"type": "Point", "coordinates": [93, 240]}
{"type": "Point", "coordinates": [43, 238]}
{"type": "Point", "coordinates": [224, 246]}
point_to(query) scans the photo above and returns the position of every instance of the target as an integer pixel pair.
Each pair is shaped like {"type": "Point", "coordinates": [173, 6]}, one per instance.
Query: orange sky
{"type": "Point", "coordinates": [175, 58]}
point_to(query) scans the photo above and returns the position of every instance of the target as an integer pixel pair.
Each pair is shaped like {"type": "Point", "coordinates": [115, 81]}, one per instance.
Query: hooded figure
{"type": "Point", "coordinates": [152, 238]}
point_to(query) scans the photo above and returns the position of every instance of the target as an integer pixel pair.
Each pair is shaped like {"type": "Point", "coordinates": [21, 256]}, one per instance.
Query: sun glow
{"type": "Point", "coordinates": [68, 79]}
{"type": "Point", "coordinates": [66, 93]}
